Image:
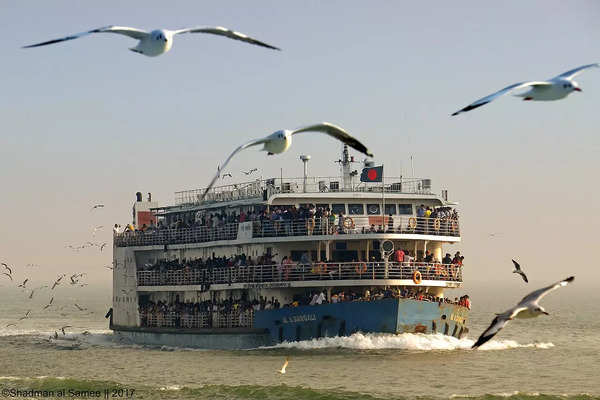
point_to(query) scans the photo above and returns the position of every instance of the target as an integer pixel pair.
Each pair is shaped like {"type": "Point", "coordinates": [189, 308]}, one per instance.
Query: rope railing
{"type": "Point", "coordinates": [301, 272]}
{"type": "Point", "coordinates": [297, 227]}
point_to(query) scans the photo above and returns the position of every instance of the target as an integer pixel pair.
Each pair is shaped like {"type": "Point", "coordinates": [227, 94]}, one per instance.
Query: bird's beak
{"type": "Point", "coordinates": [547, 313]}
{"type": "Point", "coordinates": [578, 89]}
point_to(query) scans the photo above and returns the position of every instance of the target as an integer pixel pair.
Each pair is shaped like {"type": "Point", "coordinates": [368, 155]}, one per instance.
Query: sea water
{"type": "Point", "coordinates": [554, 356]}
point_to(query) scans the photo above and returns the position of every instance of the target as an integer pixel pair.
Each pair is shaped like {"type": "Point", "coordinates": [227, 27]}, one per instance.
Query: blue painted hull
{"type": "Point", "coordinates": [311, 322]}
{"type": "Point", "coordinates": [344, 319]}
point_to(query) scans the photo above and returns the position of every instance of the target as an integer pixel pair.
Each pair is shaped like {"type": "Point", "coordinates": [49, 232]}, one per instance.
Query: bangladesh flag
{"type": "Point", "coordinates": [374, 174]}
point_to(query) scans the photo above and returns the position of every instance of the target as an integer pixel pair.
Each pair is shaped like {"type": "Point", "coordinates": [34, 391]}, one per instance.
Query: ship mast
{"type": "Point", "coordinates": [346, 165]}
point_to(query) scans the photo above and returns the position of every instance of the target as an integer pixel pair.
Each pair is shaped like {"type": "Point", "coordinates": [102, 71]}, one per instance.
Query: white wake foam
{"type": "Point", "coordinates": [404, 341]}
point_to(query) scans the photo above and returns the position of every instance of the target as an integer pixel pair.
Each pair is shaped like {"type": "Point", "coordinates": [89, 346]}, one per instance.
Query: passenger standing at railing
{"type": "Point", "coordinates": [325, 221]}
{"type": "Point", "coordinates": [310, 220]}
{"type": "Point", "coordinates": [331, 222]}
{"type": "Point", "coordinates": [341, 222]}
{"type": "Point", "coordinates": [420, 219]}
{"type": "Point", "coordinates": [447, 259]}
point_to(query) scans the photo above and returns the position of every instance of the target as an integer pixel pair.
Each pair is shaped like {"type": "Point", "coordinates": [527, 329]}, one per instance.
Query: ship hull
{"type": "Point", "coordinates": [289, 324]}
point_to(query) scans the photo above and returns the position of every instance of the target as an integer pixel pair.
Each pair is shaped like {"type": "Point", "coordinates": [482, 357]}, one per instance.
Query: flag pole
{"type": "Point", "coordinates": [382, 199]}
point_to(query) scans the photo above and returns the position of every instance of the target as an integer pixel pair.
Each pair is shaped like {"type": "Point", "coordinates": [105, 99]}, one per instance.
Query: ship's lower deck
{"type": "Point", "coordinates": [289, 324]}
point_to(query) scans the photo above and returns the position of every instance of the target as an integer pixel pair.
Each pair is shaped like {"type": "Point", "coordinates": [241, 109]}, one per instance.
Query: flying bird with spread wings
{"type": "Point", "coordinates": [519, 271]}
{"type": "Point", "coordinates": [280, 141]}
{"type": "Point", "coordinates": [285, 364]}
{"type": "Point", "coordinates": [5, 265]}
{"type": "Point", "coordinates": [528, 307]}
{"type": "Point", "coordinates": [158, 41]}
{"type": "Point", "coordinates": [555, 88]}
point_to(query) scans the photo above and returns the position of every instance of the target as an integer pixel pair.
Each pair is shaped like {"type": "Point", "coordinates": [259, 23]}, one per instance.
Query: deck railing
{"type": "Point", "coordinates": [299, 272]}
{"type": "Point", "coordinates": [311, 184]}
{"type": "Point", "coordinates": [297, 227]}
{"type": "Point", "coordinates": [174, 319]}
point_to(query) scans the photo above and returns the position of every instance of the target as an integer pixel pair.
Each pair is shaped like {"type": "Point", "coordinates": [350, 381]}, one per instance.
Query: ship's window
{"type": "Point", "coordinates": [405, 209]}
{"type": "Point", "coordinates": [356, 209]}
{"type": "Point", "coordinates": [373, 209]}
{"type": "Point", "coordinates": [390, 209]}
{"type": "Point", "coordinates": [297, 254]}
{"type": "Point", "coordinates": [338, 209]}
{"type": "Point", "coordinates": [323, 206]}
{"type": "Point", "coordinates": [341, 245]}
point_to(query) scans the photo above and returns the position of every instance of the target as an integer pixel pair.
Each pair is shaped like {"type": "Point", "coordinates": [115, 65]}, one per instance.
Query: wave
{"type": "Point", "coordinates": [404, 341]}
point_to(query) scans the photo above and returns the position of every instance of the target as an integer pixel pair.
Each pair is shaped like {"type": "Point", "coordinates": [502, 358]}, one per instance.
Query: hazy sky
{"type": "Point", "coordinates": [88, 121]}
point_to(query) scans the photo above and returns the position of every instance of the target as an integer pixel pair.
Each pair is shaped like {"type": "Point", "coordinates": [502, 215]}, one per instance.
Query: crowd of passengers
{"type": "Point", "coordinates": [178, 311]}
{"type": "Point", "coordinates": [286, 263]}
{"type": "Point", "coordinates": [304, 220]}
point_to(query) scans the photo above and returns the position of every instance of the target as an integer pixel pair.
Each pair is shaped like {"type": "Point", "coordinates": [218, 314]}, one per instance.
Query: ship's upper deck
{"type": "Point", "coordinates": [310, 208]}
{"type": "Point", "coordinates": [262, 190]}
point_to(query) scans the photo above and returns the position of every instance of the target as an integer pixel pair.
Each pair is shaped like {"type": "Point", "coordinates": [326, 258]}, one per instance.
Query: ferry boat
{"type": "Point", "coordinates": [286, 259]}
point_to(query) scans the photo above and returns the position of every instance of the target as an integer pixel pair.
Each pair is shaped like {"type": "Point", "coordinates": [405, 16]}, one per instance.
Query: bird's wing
{"type": "Point", "coordinates": [222, 167]}
{"type": "Point", "coordinates": [536, 295]}
{"type": "Point", "coordinates": [575, 71]}
{"type": "Point", "coordinates": [219, 30]}
{"type": "Point", "coordinates": [336, 132]}
{"type": "Point", "coordinates": [285, 364]}
{"type": "Point", "coordinates": [497, 324]}
{"type": "Point", "coordinates": [523, 276]}
{"type": "Point", "coordinates": [517, 266]}
{"type": "Point", "coordinates": [493, 96]}
{"type": "Point", "coordinates": [121, 30]}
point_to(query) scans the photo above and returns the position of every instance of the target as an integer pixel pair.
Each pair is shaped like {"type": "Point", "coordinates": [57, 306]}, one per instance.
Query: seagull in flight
{"type": "Point", "coordinates": [228, 175]}
{"type": "Point", "coordinates": [555, 88]}
{"type": "Point", "coordinates": [280, 141]}
{"type": "Point", "coordinates": [96, 229]}
{"type": "Point", "coordinates": [96, 205]}
{"type": "Point", "coordinates": [285, 364]}
{"type": "Point", "coordinates": [159, 41]}
{"type": "Point", "coordinates": [7, 267]}
{"type": "Point", "coordinates": [79, 307]}
{"type": "Point", "coordinates": [249, 172]}
{"type": "Point", "coordinates": [25, 316]}
{"type": "Point", "coordinates": [22, 285]}
{"type": "Point", "coordinates": [49, 304]}
{"type": "Point", "coordinates": [7, 274]}
{"type": "Point", "coordinates": [519, 271]}
{"type": "Point", "coordinates": [528, 307]}
{"type": "Point", "coordinates": [57, 282]}
{"type": "Point", "coordinates": [65, 327]}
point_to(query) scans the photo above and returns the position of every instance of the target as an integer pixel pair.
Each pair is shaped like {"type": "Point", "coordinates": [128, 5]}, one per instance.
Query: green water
{"type": "Point", "coordinates": [554, 357]}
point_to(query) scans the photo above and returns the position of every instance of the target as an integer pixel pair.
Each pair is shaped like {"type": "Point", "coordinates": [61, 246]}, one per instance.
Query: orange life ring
{"type": "Point", "coordinates": [360, 268]}
{"type": "Point", "coordinates": [412, 222]}
{"type": "Point", "coordinates": [417, 277]}
{"type": "Point", "coordinates": [348, 223]}
{"type": "Point", "coordinates": [454, 226]}
{"type": "Point", "coordinates": [437, 224]}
